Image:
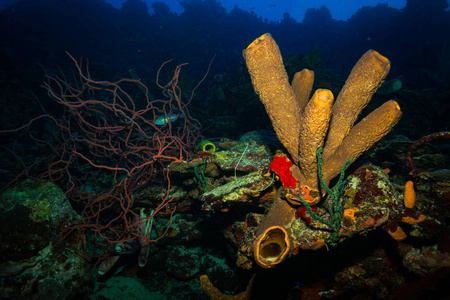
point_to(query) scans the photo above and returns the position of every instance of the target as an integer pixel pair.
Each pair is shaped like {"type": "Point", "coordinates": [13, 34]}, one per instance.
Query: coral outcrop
{"type": "Point", "coordinates": [35, 262]}
{"type": "Point", "coordinates": [303, 125]}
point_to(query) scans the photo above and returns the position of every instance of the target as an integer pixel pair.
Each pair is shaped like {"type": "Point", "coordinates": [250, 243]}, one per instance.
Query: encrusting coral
{"type": "Point", "coordinates": [303, 125]}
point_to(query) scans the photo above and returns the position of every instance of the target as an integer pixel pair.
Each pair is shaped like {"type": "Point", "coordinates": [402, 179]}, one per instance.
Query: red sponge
{"type": "Point", "coordinates": [281, 165]}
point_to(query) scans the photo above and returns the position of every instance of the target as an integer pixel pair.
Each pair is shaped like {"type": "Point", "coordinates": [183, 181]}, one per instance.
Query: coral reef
{"type": "Point", "coordinates": [388, 215]}
{"type": "Point", "coordinates": [370, 261]}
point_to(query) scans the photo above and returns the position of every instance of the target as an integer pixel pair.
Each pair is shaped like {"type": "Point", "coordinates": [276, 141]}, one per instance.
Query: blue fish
{"type": "Point", "coordinates": [163, 120]}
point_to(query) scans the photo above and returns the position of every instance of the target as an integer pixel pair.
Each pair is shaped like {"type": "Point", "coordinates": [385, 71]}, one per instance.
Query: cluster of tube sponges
{"type": "Point", "coordinates": [303, 124]}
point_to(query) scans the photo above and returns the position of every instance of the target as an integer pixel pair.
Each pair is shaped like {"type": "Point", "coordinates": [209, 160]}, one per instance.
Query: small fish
{"type": "Point", "coordinates": [163, 120]}
{"type": "Point", "coordinates": [252, 8]}
{"type": "Point", "coordinates": [128, 247]}
{"type": "Point", "coordinates": [107, 264]}
{"type": "Point", "coordinates": [273, 5]}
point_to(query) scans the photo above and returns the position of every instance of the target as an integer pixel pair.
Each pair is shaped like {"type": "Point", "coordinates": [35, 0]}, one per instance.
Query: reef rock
{"type": "Point", "coordinates": [35, 262]}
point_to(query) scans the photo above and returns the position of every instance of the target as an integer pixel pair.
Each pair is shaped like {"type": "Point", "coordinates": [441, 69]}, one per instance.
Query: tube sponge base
{"type": "Point", "coordinates": [273, 247]}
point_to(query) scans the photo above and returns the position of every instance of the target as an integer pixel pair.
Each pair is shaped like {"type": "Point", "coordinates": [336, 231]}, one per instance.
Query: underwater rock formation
{"type": "Point", "coordinates": [370, 202]}
{"type": "Point", "coordinates": [35, 262]}
{"type": "Point", "coordinates": [236, 176]}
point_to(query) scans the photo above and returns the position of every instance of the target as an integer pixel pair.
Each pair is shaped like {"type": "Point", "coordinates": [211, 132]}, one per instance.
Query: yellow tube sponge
{"type": "Point", "coordinates": [215, 294]}
{"type": "Point", "coordinates": [273, 242]}
{"type": "Point", "coordinates": [273, 247]}
{"type": "Point", "coordinates": [313, 130]}
{"type": "Point", "coordinates": [302, 85]}
{"type": "Point", "coordinates": [364, 80]}
{"type": "Point", "coordinates": [271, 83]}
{"type": "Point", "coordinates": [303, 125]}
{"type": "Point", "coordinates": [361, 137]}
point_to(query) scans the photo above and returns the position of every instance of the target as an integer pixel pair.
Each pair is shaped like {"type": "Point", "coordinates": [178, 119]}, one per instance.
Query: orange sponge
{"type": "Point", "coordinates": [410, 195]}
